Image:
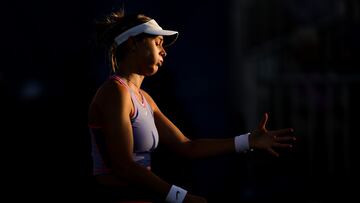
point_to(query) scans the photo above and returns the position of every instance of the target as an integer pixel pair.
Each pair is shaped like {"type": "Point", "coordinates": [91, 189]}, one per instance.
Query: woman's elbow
{"type": "Point", "coordinates": [189, 150]}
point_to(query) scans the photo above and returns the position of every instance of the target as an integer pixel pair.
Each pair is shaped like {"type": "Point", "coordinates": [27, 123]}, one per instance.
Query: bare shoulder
{"type": "Point", "coordinates": [111, 90]}
{"type": "Point", "coordinates": [110, 96]}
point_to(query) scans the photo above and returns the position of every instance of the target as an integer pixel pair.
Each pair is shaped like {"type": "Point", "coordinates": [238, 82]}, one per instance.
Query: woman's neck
{"type": "Point", "coordinates": [133, 80]}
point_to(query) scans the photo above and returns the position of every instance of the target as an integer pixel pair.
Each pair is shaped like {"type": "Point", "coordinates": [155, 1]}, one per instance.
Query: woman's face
{"type": "Point", "coordinates": [151, 55]}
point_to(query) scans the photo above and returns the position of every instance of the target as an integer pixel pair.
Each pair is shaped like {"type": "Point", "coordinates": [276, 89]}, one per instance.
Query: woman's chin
{"type": "Point", "coordinates": [153, 71]}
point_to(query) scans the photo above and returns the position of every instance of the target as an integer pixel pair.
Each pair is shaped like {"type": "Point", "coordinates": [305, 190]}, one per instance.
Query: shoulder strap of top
{"type": "Point", "coordinates": [120, 80]}
{"type": "Point", "coordinates": [115, 77]}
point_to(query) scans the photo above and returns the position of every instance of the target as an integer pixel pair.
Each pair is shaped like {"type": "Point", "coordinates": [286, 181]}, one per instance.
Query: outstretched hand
{"type": "Point", "coordinates": [261, 138]}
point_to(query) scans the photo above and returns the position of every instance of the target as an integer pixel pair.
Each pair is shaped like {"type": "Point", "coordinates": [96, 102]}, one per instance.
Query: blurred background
{"type": "Point", "coordinates": [298, 60]}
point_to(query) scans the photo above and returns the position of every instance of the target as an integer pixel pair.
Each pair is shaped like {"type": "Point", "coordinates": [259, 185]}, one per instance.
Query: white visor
{"type": "Point", "coordinates": [150, 27]}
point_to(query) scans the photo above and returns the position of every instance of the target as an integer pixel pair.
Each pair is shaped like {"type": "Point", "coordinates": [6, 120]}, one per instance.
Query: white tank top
{"type": "Point", "coordinates": [145, 135]}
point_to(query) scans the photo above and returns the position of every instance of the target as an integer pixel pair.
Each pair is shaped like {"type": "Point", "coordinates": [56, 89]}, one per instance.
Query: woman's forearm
{"type": "Point", "coordinates": [141, 177]}
{"type": "Point", "coordinates": [204, 148]}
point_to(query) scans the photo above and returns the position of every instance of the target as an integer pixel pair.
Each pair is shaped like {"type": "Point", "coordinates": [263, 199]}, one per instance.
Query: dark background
{"type": "Point", "coordinates": [234, 60]}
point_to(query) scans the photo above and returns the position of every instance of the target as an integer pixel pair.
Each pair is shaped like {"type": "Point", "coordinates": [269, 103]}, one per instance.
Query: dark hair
{"type": "Point", "coordinates": [109, 28]}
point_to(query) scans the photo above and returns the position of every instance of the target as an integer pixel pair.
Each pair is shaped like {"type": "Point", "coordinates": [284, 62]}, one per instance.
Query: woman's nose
{"type": "Point", "coordinates": [163, 53]}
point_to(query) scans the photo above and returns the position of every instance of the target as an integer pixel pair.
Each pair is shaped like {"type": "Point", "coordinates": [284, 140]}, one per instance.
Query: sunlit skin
{"type": "Point", "coordinates": [112, 108]}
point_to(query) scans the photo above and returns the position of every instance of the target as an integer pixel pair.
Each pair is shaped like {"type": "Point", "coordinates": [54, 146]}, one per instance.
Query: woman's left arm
{"type": "Point", "coordinates": [175, 140]}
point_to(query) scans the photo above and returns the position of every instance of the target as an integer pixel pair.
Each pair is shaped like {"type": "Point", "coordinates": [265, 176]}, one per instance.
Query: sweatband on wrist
{"type": "Point", "coordinates": [176, 195]}
{"type": "Point", "coordinates": [242, 143]}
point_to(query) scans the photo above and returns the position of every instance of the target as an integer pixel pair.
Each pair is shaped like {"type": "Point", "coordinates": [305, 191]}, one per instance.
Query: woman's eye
{"type": "Point", "coordinates": [158, 43]}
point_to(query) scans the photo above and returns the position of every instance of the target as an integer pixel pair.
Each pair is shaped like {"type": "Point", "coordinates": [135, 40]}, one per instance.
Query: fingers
{"type": "Point", "coordinates": [271, 151]}
{"type": "Point", "coordinates": [281, 132]}
{"type": "Point", "coordinates": [282, 145]}
{"type": "Point", "coordinates": [284, 139]}
{"type": "Point", "coordinates": [277, 145]}
{"type": "Point", "coordinates": [263, 121]}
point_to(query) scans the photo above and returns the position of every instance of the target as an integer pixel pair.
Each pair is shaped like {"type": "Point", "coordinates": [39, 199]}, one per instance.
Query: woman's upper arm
{"type": "Point", "coordinates": [115, 108]}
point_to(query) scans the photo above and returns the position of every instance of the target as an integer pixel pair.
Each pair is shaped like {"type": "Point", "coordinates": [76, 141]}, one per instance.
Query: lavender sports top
{"type": "Point", "coordinates": [145, 135]}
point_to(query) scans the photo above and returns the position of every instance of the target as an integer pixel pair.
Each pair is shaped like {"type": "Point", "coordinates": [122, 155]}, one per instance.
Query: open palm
{"type": "Point", "coordinates": [261, 138]}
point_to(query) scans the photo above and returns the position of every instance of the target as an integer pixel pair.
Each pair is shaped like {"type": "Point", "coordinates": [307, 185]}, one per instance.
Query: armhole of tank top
{"type": "Point", "coordinates": [134, 113]}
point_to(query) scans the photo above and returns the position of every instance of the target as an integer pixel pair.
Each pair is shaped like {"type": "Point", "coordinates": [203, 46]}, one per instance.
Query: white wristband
{"type": "Point", "coordinates": [176, 195]}
{"type": "Point", "coordinates": [242, 143]}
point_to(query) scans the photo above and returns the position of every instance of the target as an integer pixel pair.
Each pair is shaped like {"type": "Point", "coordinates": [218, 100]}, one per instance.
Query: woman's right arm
{"type": "Point", "coordinates": [116, 108]}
